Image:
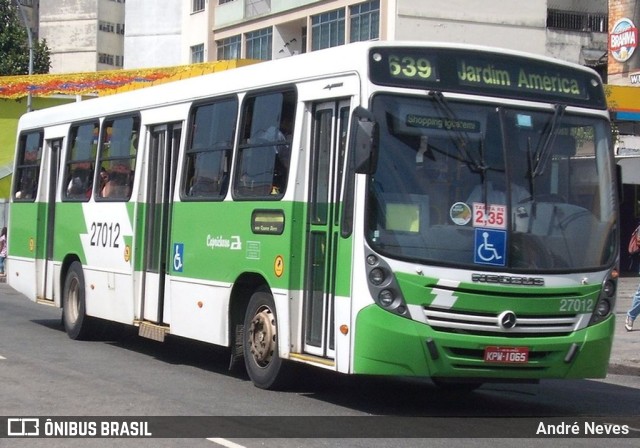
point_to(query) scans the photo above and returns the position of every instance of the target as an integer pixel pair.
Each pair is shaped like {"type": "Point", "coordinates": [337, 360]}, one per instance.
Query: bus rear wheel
{"type": "Point", "coordinates": [76, 323]}
{"type": "Point", "coordinates": [260, 342]}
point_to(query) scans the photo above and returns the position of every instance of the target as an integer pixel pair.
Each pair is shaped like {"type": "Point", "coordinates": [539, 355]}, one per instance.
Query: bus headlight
{"type": "Point", "coordinates": [606, 301]}
{"type": "Point", "coordinates": [609, 288]}
{"type": "Point", "coordinates": [377, 276]}
{"type": "Point", "coordinates": [603, 308]}
{"type": "Point", "coordinates": [383, 286]}
{"type": "Point", "coordinates": [385, 298]}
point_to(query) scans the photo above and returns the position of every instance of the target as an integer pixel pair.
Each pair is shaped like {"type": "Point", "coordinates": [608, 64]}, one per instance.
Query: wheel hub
{"type": "Point", "coordinates": [262, 336]}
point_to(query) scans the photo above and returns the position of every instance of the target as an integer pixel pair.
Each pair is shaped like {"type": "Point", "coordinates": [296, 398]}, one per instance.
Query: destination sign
{"type": "Point", "coordinates": [475, 72]}
{"type": "Point", "coordinates": [485, 72]}
{"type": "Point", "coordinates": [268, 222]}
{"type": "Point", "coordinates": [450, 124]}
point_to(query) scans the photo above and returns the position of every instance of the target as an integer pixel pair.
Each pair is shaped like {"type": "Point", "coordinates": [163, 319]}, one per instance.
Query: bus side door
{"type": "Point", "coordinates": [163, 156]}
{"type": "Point", "coordinates": [330, 120]}
{"type": "Point", "coordinates": [46, 222]}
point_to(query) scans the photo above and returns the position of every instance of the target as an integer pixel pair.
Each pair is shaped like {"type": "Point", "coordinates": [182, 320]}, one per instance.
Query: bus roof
{"type": "Point", "coordinates": [333, 61]}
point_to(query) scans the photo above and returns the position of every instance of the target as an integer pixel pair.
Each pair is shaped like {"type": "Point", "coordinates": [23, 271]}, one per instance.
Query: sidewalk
{"type": "Point", "coordinates": [625, 354]}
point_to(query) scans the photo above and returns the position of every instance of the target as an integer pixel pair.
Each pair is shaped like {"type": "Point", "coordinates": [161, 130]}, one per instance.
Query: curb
{"type": "Point", "coordinates": [621, 369]}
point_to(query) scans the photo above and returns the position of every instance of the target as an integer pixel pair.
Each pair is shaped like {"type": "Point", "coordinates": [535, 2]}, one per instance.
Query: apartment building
{"type": "Point", "coordinates": [269, 29]}
{"type": "Point", "coordinates": [91, 35]}
{"type": "Point", "coordinates": [82, 35]}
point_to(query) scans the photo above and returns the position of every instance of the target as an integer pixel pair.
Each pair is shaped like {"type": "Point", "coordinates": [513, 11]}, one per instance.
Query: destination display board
{"type": "Point", "coordinates": [484, 72]}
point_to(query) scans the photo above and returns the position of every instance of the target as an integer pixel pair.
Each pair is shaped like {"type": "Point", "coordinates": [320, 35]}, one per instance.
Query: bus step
{"type": "Point", "coordinates": [153, 331]}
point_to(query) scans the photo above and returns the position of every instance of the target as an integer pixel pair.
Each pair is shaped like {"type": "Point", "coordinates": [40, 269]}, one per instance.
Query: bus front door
{"type": "Point", "coordinates": [46, 226]}
{"type": "Point", "coordinates": [323, 235]}
{"type": "Point", "coordinates": [163, 156]}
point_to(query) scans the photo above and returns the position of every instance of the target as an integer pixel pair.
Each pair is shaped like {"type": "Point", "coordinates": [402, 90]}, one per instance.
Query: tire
{"type": "Point", "coordinates": [260, 343]}
{"type": "Point", "coordinates": [76, 322]}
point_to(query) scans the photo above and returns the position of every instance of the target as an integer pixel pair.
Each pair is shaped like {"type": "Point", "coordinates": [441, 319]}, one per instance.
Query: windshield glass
{"type": "Point", "coordinates": [476, 185]}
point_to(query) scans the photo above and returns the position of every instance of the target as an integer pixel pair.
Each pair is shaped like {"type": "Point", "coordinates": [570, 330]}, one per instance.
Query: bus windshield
{"type": "Point", "coordinates": [491, 186]}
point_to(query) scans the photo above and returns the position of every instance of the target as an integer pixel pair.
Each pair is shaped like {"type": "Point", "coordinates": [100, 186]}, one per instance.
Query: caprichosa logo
{"type": "Point", "coordinates": [219, 242]}
{"type": "Point", "coordinates": [507, 280]}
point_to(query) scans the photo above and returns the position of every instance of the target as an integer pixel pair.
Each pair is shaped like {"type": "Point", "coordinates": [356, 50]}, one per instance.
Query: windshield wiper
{"type": "Point", "coordinates": [462, 141]}
{"type": "Point", "coordinates": [542, 155]}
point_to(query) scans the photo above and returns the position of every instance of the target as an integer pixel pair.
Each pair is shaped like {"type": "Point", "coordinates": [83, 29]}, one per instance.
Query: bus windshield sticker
{"type": "Point", "coordinates": [490, 246]}
{"type": "Point", "coordinates": [494, 218]}
{"type": "Point", "coordinates": [460, 213]}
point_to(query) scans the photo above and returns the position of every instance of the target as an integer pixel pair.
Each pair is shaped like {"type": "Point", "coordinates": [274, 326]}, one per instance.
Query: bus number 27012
{"type": "Point", "coordinates": [105, 234]}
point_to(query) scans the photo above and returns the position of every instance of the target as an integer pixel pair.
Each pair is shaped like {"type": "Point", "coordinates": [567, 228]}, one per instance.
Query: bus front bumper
{"type": "Point", "coordinates": [386, 344]}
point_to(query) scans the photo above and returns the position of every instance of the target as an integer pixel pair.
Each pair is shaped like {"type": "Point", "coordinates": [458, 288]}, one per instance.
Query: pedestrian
{"type": "Point", "coordinates": [633, 312]}
{"type": "Point", "coordinates": [3, 249]}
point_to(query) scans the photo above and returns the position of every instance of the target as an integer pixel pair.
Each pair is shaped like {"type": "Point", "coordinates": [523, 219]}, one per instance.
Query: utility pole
{"type": "Point", "coordinates": [30, 38]}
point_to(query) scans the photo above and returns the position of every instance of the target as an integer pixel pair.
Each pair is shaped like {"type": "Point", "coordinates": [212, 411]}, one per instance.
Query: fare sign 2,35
{"type": "Point", "coordinates": [506, 355]}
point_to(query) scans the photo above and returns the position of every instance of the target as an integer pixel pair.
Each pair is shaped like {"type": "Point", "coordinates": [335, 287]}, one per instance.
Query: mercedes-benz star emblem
{"type": "Point", "coordinates": [507, 320]}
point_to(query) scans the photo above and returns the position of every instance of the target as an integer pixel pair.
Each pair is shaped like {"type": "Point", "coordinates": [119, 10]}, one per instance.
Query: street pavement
{"type": "Point", "coordinates": [625, 353]}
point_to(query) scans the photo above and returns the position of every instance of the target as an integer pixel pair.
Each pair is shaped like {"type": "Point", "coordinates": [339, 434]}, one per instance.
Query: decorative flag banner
{"type": "Point", "coordinates": [107, 82]}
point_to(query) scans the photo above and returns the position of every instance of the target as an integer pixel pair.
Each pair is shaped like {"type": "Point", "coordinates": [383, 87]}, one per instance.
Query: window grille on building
{"type": "Point", "coordinates": [577, 21]}
{"type": "Point", "coordinates": [104, 58]}
{"type": "Point", "coordinates": [197, 5]}
{"type": "Point", "coordinates": [229, 48]}
{"type": "Point", "coordinates": [259, 44]}
{"type": "Point", "coordinates": [327, 29]}
{"type": "Point", "coordinates": [365, 21]}
{"type": "Point", "coordinates": [197, 53]}
{"type": "Point", "coordinates": [107, 26]}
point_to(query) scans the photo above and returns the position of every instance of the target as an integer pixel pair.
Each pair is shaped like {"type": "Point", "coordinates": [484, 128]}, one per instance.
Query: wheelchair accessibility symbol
{"type": "Point", "coordinates": [490, 246]}
{"type": "Point", "coordinates": [178, 256]}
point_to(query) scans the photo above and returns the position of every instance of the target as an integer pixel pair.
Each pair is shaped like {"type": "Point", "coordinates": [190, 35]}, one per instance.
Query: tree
{"type": "Point", "coordinates": [14, 44]}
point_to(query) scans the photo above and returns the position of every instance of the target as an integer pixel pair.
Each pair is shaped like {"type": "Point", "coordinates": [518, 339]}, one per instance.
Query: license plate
{"type": "Point", "coordinates": [506, 355]}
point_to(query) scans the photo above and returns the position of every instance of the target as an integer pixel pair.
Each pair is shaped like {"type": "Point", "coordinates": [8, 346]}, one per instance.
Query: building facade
{"type": "Point", "coordinates": [91, 35]}
{"type": "Point", "coordinates": [571, 30]}
{"type": "Point", "coordinates": [153, 35]}
{"type": "Point", "coordinates": [82, 35]}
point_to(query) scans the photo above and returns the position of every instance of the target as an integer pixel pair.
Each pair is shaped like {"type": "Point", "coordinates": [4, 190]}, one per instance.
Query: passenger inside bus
{"type": "Point", "coordinates": [80, 183]}
{"type": "Point", "coordinates": [117, 185]}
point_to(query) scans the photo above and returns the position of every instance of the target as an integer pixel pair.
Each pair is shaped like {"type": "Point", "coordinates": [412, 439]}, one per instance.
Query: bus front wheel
{"type": "Point", "coordinates": [260, 342]}
{"type": "Point", "coordinates": [76, 322]}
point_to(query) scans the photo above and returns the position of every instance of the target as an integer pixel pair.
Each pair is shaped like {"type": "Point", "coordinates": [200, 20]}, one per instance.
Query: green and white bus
{"type": "Point", "coordinates": [383, 208]}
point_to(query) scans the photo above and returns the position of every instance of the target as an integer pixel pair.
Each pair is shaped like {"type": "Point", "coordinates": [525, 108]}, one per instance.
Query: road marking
{"type": "Point", "coordinates": [225, 442]}
{"type": "Point", "coordinates": [2, 357]}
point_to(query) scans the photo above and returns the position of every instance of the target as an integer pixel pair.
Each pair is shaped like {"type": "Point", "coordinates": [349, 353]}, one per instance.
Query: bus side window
{"type": "Point", "coordinates": [117, 158]}
{"type": "Point", "coordinates": [209, 150]}
{"type": "Point", "coordinates": [80, 164]}
{"type": "Point", "coordinates": [265, 145]}
{"type": "Point", "coordinates": [28, 168]}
